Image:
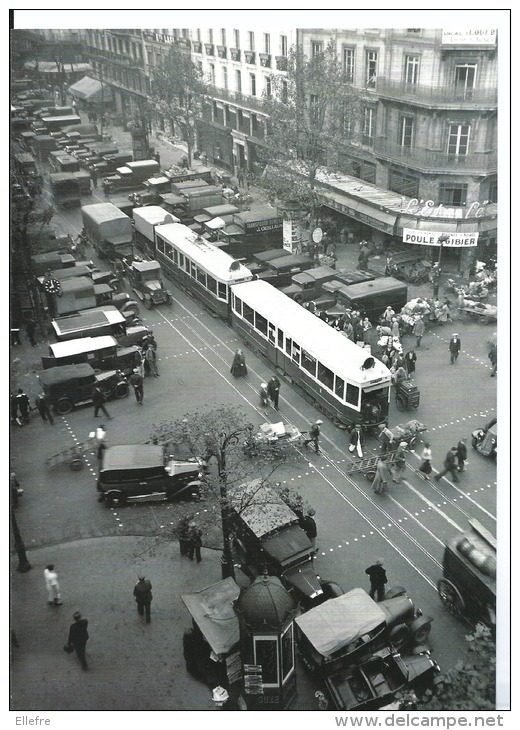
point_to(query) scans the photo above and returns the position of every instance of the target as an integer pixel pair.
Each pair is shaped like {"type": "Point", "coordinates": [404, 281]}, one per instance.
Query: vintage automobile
{"type": "Point", "coordinates": [484, 440]}
{"type": "Point", "coordinates": [344, 630]}
{"type": "Point", "coordinates": [146, 473]}
{"type": "Point", "coordinates": [145, 279]}
{"type": "Point", "coordinates": [102, 353]}
{"type": "Point", "coordinates": [468, 584]}
{"type": "Point", "coordinates": [69, 386]}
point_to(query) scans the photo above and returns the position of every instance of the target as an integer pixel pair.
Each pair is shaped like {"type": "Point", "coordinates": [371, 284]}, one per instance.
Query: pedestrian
{"type": "Point", "coordinates": [137, 383]}
{"type": "Point", "coordinates": [30, 328]}
{"type": "Point", "coordinates": [314, 433]}
{"type": "Point", "coordinates": [52, 585]}
{"type": "Point", "coordinates": [493, 357]}
{"type": "Point", "coordinates": [400, 375]}
{"type": "Point", "coordinates": [42, 404]}
{"type": "Point", "coordinates": [264, 395]}
{"type": "Point", "coordinates": [380, 483]}
{"type": "Point", "coordinates": [450, 465]}
{"type": "Point", "coordinates": [14, 489]}
{"type": "Point", "coordinates": [426, 464]}
{"type": "Point", "coordinates": [349, 330]}
{"type": "Point", "coordinates": [388, 315]}
{"type": "Point", "coordinates": [454, 347]}
{"type": "Point", "coordinates": [399, 462]}
{"type": "Point", "coordinates": [308, 525]}
{"type": "Point", "coordinates": [378, 579]}
{"type": "Point", "coordinates": [367, 326]}
{"type": "Point", "coordinates": [78, 637]}
{"type": "Point", "coordinates": [94, 176]}
{"type": "Point", "coordinates": [100, 435]}
{"type": "Point", "coordinates": [435, 277]}
{"type": "Point", "coordinates": [356, 440]}
{"type": "Point", "coordinates": [444, 313]}
{"type": "Point", "coordinates": [462, 454]}
{"type": "Point", "coordinates": [98, 399]}
{"type": "Point", "coordinates": [418, 330]}
{"type": "Point", "coordinates": [409, 362]}
{"type": "Point", "coordinates": [386, 437]}
{"type": "Point", "coordinates": [183, 534]}
{"type": "Point", "coordinates": [395, 328]}
{"type": "Point", "coordinates": [194, 541]}
{"type": "Point", "coordinates": [143, 597]}
{"type": "Point", "coordinates": [13, 409]}
{"type": "Point", "coordinates": [238, 367]}
{"type": "Point", "coordinates": [363, 257]}
{"type": "Point", "coordinates": [151, 358]}
{"type": "Point", "coordinates": [157, 157]}
{"type": "Point", "coordinates": [273, 390]}
{"type": "Point", "coordinates": [23, 404]}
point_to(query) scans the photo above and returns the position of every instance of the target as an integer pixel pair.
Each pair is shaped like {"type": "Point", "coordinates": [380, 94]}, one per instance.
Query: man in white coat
{"type": "Point", "coordinates": [52, 585]}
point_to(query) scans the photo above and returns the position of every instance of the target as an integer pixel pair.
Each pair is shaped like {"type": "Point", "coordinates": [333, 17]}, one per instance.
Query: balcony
{"type": "Point", "coordinates": [197, 47]}
{"type": "Point", "coordinates": [235, 97]}
{"type": "Point", "coordinates": [265, 60]}
{"type": "Point", "coordinates": [222, 51]}
{"type": "Point", "coordinates": [235, 54]}
{"type": "Point", "coordinates": [249, 56]}
{"type": "Point", "coordinates": [281, 63]}
{"type": "Point", "coordinates": [428, 160]}
{"type": "Point", "coordinates": [210, 49]}
{"type": "Point", "coordinates": [435, 96]}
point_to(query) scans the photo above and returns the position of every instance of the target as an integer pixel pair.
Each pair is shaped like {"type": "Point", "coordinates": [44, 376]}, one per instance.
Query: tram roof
{"type": "Point", "coordinates": [211, 258]}
{"type": "Point", "coordinates": [319, 339]}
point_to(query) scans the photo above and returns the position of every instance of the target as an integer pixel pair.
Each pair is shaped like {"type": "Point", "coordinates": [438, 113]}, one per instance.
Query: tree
{"type": "Point", "coordinates": [471, 684]}
{"type": "Point", "coordinates": [177, 92]}
{"type": "Point", "coordinates": [311, 114]}
{"type": "Point", "coordinates": [217, 437]}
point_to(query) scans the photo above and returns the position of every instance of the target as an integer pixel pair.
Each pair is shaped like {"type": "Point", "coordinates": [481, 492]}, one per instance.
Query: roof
{"type": "Point", "coordinates": [136, 456]}
{"type": "Point", "coordinates": [81, 344]}
{"type": "Point", "coordinates": [265, 603]}
{"type": "Point", "coordinates": [260, 507]}
{"type": "Point", "coordinates": [209, 257]}
{"type": "Point", "coordinates": [218, 210]}
{"type": "Point", "coordinates": [271, 255]}
{"type": "Point", "coordinates": [318, 338]}
{"type": "Point", "coordinates": [382, 283]}
{"type": "Point", "coordinates": [154, 215]}
{"type": "Point", "coordinates": [340, 621]}
{"type": "Point", "coordinates": [76, 284]}
{"type": "Point", "coordinates": [266, 212]}
{"type": "Point", "coordinates": [62, 373]}
{"type": "Point", "coordinates": [91, 89]}
{"type": "Point", "coordinates": [146, 266]}
{"type": "Point", "coordinates": [89, 318]}
{"type": "Point", "coordinates": [102, 212]}
{"type": "Point", "coordinates": [213, 612]}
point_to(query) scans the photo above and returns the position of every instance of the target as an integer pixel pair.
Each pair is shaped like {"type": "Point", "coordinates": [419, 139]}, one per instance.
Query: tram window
{"type": "Point", "coordinates": [352, 394]}
{"type": "Point", "coordinates": [160, 244]}
{"type": "Point", "coordinates": [222, 291]}
{"type": "Point", "coordinates": [193, 270]}
{"type": "Point", "coordinates": [175, 257]}
{"type": "Point", "coordinates": [296, 353]}
{"type": "Point", "coordinates": [280, 339]}
{"type": "Point", "coordinates": [237, 302]}
{"type": "Point", "coordinates": [212, 285]}
{"type": "Point", "coordinates": [168, 250]}
{"type": "Point", "coordinates": [181, 261]}
{"type": "Point", "coordinates": [326, 377]}
{"type": "Point", "coordinates": [271, 333]}
{"type": "Point", "coordinates": [201, 277]}
{"type": "Point", "coordinates": [249, 314]}
{"type": "Point", "coordinates": [339, 387]}
{"type": "Point", "coordinates": [288, 346]}
{"type": "Point", "coordinates": [261, 324]}
{"type": "Point", "coordinates": [308, 362]}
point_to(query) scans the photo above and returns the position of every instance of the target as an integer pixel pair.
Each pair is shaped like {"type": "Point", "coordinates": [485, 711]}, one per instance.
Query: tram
{"type": "Point", "coordinates": [198, 266]}
{"type": "Point", "coordinates": [334, 373]}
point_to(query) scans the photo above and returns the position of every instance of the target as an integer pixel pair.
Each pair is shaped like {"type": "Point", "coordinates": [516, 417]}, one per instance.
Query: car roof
{"type": "Point", "coordinates": [146, 265]}
{"type": "Point", "coordinates": [134, 456]}
{"type": "Point", "coordinates": [340, 621]}
{"type": "Point", "coordinates": [62, 373]}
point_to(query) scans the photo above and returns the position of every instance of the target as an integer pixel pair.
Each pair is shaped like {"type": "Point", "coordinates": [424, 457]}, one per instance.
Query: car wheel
{"type": "Point", "coordinates": [76, 464]}
{"type": "Point", "coordinates": [421, 632]}
{"type": "Point", "coordinates": [148, 304]}
{"type": "Point", "coordinates": [451, 597]}
{"type": "Point", "coordinates": [331, 589]}
{"type": "Point", "coordinates": [395, 592]}
{"type": "Point", "coordinates": [474, 442]}
{"type": "Point", "coordinates": [115, 499]}
{"type": "Point", "coordinates": [121, 390]}
{"type": "Point", "coordinates": [400, 636]}
{"type": "Point", "coordinates": [400, 403]}
{"type": "Point", "coordinates": [63, 406]}
{"type": "Point", "coordinates": [169, 299]}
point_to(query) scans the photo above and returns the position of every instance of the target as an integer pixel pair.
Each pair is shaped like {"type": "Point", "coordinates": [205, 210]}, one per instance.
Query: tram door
{"type": "Point", "coordinates": [272, 350]}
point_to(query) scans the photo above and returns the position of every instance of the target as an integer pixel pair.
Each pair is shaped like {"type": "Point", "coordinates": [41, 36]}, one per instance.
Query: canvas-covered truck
{"type": "Point", "coordinates": [132, 175]}
{"type": "Point", "coordinates": [109, 230]}
{"type": "Point", "coordinates": [145, 221]}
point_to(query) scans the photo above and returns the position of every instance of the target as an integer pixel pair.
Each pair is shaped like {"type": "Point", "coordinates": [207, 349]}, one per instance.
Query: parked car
{"type": "Point", "coordinates": [145, 473]}
{"type": "Point", "coordinates": [145, 279]}
{"type": "Point", "coordinates": [69, 386]}
{"type": "Point", "coordinates": [484, 440]}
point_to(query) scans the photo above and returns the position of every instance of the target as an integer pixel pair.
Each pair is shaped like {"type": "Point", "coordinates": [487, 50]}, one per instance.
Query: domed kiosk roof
{"type": "Point", "coordinates": [265, 603]}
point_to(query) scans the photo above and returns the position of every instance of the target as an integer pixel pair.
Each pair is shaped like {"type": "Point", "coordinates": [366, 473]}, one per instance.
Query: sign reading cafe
{"type": "Point", "coordinates": [431, 238]}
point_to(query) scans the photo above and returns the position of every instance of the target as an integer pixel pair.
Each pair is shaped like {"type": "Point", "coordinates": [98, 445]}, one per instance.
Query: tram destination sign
{"type": "Point", "coordinates": [431, 238]}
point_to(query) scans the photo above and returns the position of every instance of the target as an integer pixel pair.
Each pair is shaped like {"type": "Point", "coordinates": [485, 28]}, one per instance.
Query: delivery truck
{"type": "Point", "coordinates": [109, 230]}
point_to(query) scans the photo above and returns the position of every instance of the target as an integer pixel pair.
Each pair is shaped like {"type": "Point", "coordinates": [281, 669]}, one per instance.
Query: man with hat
{"type": "Point", "coordinates": [143, 597]}
{"type": "Point", "coordinates": [399, 462]}
{"type": "Point", "coordinates": [378, 579]}
{"type": "Point", "coordinates": [454, 347]}
{"type": "Point", "coordinates": [308, 525]}
{"type": "Point", "coordinates": [137, 383]}
{"type": "Point", "coordinates": [314, 433]}
{"type": "Point", "coordinates": [450, 465]}
{"type": "Point", "coordinates": [356, 440]}
{"type": "Point", "coordinates": [194, 541]}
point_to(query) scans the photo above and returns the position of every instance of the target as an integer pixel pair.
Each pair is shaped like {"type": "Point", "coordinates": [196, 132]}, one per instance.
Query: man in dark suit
{"type": "Point", "coordinates": [454, 347]}
{"type": "Point", "coordinates": [78, 637]}
{"type": "Point", "coordinates": [273, 390]}
{"type": "Point", "coordinates": [378, 579]}
{"type": "Point", "coordinates": [143, 597]}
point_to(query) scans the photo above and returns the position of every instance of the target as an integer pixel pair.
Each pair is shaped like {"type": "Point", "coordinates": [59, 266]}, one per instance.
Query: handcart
{"type": "Point", "coordinates": [271, 436]}
{"type": "Point", "coordinates": [72, 456]}
{"type": "Point", "coordinates": [483, 313]}
{"type": "Point", "coordinates": [408, 432]}
{"type": "Point", "coordinates": [368, 466]}
{"type": "Point", "coordinates": [407, 395]}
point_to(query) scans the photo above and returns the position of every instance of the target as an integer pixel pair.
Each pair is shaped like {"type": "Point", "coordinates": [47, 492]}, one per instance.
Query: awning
{"type": "Point", "coordinates": [91, 90]}
{"type": "Point", "coordinates": [212, 610]}
{"type": "Point", "coordinates": [361, 211]}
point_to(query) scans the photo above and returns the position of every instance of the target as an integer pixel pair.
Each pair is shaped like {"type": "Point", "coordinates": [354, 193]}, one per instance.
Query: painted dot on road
{"type": "Point", "coordinates": [331, 550]}
{"type": "Point", "coordinates": [416, 514]}
{"type": "Point", "coordinates": [339, 546]}
{"type": "Point", "coordinates": [299, 476]}
{"type": "Point", "coordinates": [323, 553]}
{"type": "Point", "coordinates": [382, 528]}
{"type": "Point", "coordinates": [347, 543]}
{"type": "Point", "coordinates": [120, 525]}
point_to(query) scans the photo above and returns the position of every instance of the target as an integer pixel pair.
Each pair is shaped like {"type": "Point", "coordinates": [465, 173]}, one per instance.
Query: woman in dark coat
{"type": "Point", "coordinates": [239, 368]}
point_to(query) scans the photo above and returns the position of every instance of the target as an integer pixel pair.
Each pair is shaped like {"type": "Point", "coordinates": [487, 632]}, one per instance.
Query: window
{"type": "Point", "coordinates": [252, 80]}
{"type": "Point", "coordinates": [406, 125]}
{"type": "Point", "coordinates": [222, 36]}
{"type": "Point", "coordinates": [458, 139]}
{"type": "Point", "coordinates": [224, 77]}
{"type": "Point", "coordinates": [251, 37]}
{"type": "Point", "coordinates": [193, 270]}
{"type": "Point", "coordinates": [308, 363]}
{"type": "Point", "coordinates": [261, 324]}
{"type": "Point", "coordinates": [316, 49]}
{"type": "Point", "coordinates": [352, 394]}
{"type": "Point", "coordinates": [280, 339]}
{"type": "Point", "coordinates": [175, 257]}
{"type": "Point", "coordinates": [238, 80]}
{"type": "Point", "coordinates": [348, 64]}
{"type": "Point", "coordinates": [296, 353]}
{"type": "Point", "coordinates": [411, 69]}
{"type": "Point", "coordinates": [201, 277]}
{"type": "Point", "coordinates": [199, 36]}
{"type": "Point", "coordinates": [453, 194]}
{"type": "Point", "coordinates": [268, 86]}
{"type": "Point", "coordinates": [363, 170]}
{"type": "Point", "coordinates": [249, 314]}
{"type": "Point", "coordinates": [222, 291]}
{"type": "Point", "coordinates": [403, 183]}
{"type": "Point", "coordinates": [182, 261]}
{"type": "Point", "coordinates": [465, 79]}
{"type": "Point", "coordinates": [493, 191]}
{"type": "Point", "coordinates": [287, 652]}
{"type": "Point", "coordinates": [271, 333]}
{"type": "Point", "coordinates": [339, 387]}
{"type": "Point", "coordinates": [266, 654]}
{"type": "Point", "coordinates": [283, 45]}
{"type": "Point", "coordinates": [267, 43]}
{"type": "Point", "coordinates": [288, 346]}
{"type": "Point", "coordinates": [211, 284]}
{"type": "Point", "coordinates": [371, 69]}
{"type": "Point", "coordinates": [212, 73]}
{"type": "Point", "coordinates": [210, 35]}
{"type": "Point", "coordinates": [325, 376]}
{"type": "Point", "coordinates": [236, 34]}
{"type": "Point", "coordinates": [368, 125]}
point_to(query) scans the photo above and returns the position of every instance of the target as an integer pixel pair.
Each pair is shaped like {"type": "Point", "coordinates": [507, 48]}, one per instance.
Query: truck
{"type": "Point", "coordinates": [132, 174]}
{"type": "Point", "coordinates": [190, 201]}
{"type": "Point", "coordinates": [109, 230]}
{"type": "Point", "coordinates": [145, 279]}
{"type": "Point", "coordinates": [253, 230]}
{"type": "Point", "coordinates": [373, 297]}
{"type": "Point", "coordinates": [65, 190]}
{"type": "Point", "coordinates": [145, 221]}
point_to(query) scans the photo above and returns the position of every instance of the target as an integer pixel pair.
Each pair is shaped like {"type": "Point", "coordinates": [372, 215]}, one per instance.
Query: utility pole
{"type": "Point", "coordinates": [23, 564]}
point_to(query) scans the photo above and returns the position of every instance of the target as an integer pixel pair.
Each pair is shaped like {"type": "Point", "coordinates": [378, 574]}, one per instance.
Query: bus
{"type": "Point", "coordinates": [198, 266]}
{"type": "Point", "coordinates": [336, 375]}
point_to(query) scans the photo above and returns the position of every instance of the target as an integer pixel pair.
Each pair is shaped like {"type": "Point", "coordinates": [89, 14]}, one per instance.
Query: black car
{"type": "Point", "coordinates": [68, 386]}
{"type": "Point", "coordinates": [145, 473]}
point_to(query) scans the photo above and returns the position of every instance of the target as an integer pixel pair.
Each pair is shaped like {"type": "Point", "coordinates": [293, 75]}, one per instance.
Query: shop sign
{"type": "Point", "coordinates": [431, 238]}
{"type": "Point", "coordinates": [469, 37]}
{"type": "Point", "coordinates": [428, 209]}
{"type": "Point", "coordinates": [274, 224]}
{"type": "Point", "coordinates": [291, 236]}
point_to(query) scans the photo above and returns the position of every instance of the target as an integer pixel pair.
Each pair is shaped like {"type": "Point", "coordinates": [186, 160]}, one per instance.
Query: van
{"type": "Point", "coordinates": [102, 353]}
{"type": "Point", "coordinates": [373, 297]}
